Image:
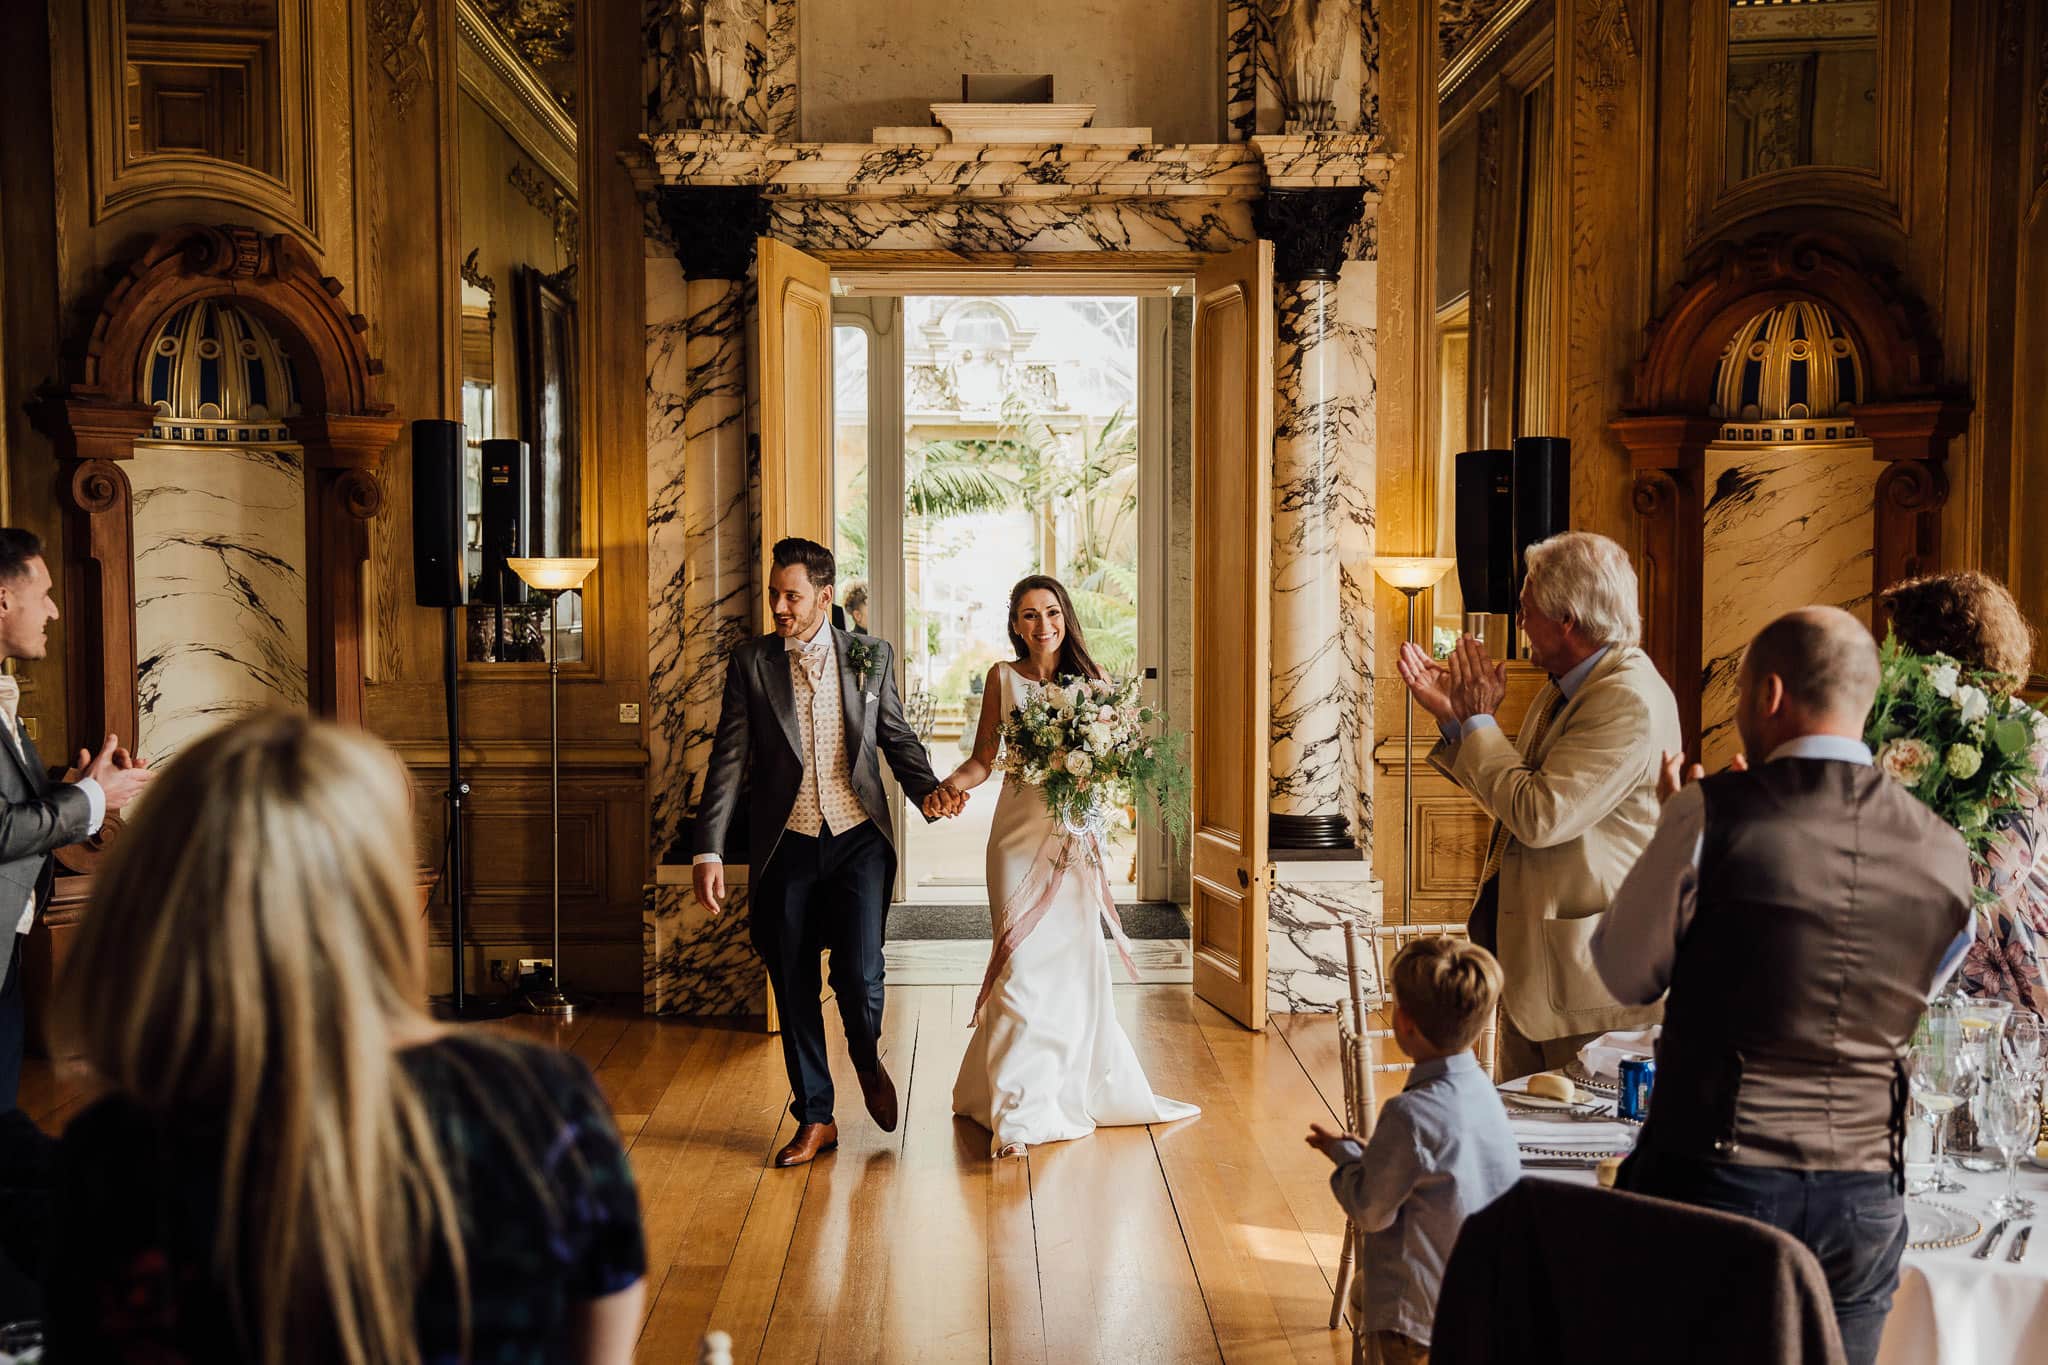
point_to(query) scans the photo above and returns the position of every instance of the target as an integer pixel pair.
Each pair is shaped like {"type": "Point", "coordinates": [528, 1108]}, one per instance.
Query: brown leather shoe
{"type": "Point", "coordinates": [880, 1093]}
{"type": "Point", "coordinates": [810, 1139]}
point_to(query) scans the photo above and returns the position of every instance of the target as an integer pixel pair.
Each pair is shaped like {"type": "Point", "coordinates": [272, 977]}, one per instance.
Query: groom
{"type": "Point", "coordinates": [805, 712]}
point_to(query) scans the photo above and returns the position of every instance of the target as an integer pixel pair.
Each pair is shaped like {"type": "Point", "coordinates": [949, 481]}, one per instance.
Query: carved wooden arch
{"type": "Point", "coordinates": [96, 422]}
{"type": "Point", "coordinates": [1908, 417]}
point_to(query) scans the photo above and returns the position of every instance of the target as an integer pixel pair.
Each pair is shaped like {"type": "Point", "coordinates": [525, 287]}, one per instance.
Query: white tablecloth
{"type": "Point", "coordinates": [1950, 1309]}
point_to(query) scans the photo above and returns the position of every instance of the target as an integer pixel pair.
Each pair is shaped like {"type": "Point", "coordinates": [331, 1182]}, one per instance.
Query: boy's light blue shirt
{"type": "Point", "coordinates": [1442, 1151]}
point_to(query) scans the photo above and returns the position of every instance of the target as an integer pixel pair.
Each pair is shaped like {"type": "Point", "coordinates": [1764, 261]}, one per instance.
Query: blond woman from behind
{"type": "Point", "coordinates": [294, 1162]}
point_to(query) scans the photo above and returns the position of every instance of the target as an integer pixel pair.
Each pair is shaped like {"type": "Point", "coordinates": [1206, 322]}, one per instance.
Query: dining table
{"type": "Point", "coordinates": [1951, 1307]}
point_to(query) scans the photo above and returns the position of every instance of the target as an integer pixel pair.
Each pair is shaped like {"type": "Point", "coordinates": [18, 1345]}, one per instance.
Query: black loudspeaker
{"type": "Point", "coordinates": [505, 521]}
{"type": "Point", "coordinates": [1485, 530]}
{"type": "Point", "coordinates": [437, 513]}
{"type": "Point", "coordinates": [1543, 495]}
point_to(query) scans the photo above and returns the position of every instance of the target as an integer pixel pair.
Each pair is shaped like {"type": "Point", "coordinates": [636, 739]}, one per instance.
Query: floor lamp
{"type": "Point", "coordinates": [551, 578]}
{"type": "Point", "coordinates": [1409, 575]}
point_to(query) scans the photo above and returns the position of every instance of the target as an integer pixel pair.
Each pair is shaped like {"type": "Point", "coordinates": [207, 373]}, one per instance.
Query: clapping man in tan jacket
{"type": "Point", "coordinates": [1573, 797]}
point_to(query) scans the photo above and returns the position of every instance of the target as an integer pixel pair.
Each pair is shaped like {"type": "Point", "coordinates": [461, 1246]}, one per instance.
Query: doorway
{"type": "Point", "coordinates": [977, 438]}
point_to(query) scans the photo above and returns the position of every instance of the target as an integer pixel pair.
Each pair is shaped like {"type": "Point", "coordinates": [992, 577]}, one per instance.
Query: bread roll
{"type": "Point", "coordinates": [1555, 1086]}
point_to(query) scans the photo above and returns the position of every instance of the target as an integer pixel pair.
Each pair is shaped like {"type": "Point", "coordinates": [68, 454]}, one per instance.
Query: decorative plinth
{"type": "Point", "coordinates": [696, 965]}
{"type": "Point", "coordinates": [1305, 972]}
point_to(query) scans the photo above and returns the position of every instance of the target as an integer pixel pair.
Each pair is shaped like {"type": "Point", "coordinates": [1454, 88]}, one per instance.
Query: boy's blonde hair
{"type": "Point", "coordinates": [1448, 986]}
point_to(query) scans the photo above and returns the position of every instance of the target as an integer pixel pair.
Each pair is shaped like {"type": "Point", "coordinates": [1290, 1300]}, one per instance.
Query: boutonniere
{"type": "Point", "coordinates": [862, 655]}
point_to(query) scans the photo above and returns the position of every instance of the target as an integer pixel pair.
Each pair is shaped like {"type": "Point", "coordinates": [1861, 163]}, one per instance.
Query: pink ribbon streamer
{"type": "Point", "coordinates": [1040, 888]}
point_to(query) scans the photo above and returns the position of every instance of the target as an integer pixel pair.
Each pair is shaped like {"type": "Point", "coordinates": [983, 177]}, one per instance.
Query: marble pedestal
{"type": "Point", "coordinates": [1305, 971]}
{"type": "Point", "coordinates": [696, 964]}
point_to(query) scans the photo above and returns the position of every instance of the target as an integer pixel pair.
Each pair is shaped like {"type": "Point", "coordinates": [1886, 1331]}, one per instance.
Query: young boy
{"type": "Point", "coordinates": [1442, 1150]}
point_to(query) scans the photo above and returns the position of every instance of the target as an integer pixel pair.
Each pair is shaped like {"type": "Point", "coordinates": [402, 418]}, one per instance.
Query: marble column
{"type": "Point", "coordinates": [1322, 477]}
{"type": "Point", "coordinates": [701, 598]}
{"type": "Point", "coordinates": [1323, 472]}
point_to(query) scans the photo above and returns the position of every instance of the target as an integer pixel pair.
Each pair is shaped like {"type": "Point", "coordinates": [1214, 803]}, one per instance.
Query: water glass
{"type": "Point", "coordinates": [1983, 1021]}
{"type": "Point", "coordinates": [1941, 1069]}
{"type": "Point", "coordinates": [2007, 1113]}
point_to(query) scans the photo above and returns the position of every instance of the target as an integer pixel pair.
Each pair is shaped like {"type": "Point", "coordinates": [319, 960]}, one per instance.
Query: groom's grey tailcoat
{"type": "Point", "coordinates": [757, 756]}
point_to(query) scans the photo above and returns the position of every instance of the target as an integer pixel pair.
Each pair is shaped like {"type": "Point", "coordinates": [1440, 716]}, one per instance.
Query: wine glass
{"type": "Point", "coordinates": [2024, 1048]}
{"type": "Point", "coordinates": [2007, 1113]}
{"type": "Point", "coordinates": [1941, 1069]}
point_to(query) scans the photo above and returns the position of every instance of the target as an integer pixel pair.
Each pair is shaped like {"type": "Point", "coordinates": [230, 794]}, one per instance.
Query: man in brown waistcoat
{"type": "Point", "coordinates": [1798, 911]}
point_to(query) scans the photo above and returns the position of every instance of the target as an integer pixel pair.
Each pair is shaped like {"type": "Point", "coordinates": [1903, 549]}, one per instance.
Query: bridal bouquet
{"type": "Point", "coordinates": [1085, 745]}
{"type": "Point", "coordinates": [1956, 739]}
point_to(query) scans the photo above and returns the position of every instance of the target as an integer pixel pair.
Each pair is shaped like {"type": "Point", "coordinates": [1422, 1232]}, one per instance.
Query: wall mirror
{"type": "Point", "coordinates": [519, 221]}
{"type": "Point", "coordinates": [1803, 83]}
{"type": "Point", "coordinates": [1496, 275]}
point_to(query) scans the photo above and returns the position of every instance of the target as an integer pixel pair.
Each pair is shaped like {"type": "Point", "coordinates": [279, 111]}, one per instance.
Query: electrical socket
{"type": "Point", "coordinates": [629, 713]}
{"type": "Point", "coordinates": [498, 971]}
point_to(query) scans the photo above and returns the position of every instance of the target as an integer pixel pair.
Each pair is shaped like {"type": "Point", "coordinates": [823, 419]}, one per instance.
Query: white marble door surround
{"type": "Point", "coordinates": [720, 166]}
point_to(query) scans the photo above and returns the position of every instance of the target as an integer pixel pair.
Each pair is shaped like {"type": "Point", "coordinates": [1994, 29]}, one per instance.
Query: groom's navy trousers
{"type": "Point", "coordinates": [828, 893]}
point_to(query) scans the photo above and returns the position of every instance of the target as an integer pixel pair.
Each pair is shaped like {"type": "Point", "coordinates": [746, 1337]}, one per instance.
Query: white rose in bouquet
{"type": "Point", "coordinates": [1101, 738]}
{"type": "Point", "coordinates": [1974, 704]}
{"type": "Point", "coordinates": [1078, 764]}
{"type": "Point", "coordinates": [1943, 678]}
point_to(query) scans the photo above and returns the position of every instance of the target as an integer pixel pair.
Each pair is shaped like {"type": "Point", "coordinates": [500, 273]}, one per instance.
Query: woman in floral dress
{"type": "Point", "coordinates": [1973, 619]}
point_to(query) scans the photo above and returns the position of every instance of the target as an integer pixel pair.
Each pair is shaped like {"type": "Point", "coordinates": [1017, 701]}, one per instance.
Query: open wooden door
{"type": "Point", "coordinates": [795, 350]}
{"type": "Point", "coordinates": [1233, 458]}
{"type": "Point", "coordinates": [796, 399]}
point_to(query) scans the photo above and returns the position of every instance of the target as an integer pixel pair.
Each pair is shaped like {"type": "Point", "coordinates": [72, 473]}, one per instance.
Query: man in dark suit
{"type": "Point", "coordinates": [808, 712]}
{"type": "Point", "coordinates": [37, 814]}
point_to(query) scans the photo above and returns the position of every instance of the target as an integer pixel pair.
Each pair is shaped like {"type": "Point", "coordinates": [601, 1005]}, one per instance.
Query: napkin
{"type": "Point", "coordinates": [1603, 1056]}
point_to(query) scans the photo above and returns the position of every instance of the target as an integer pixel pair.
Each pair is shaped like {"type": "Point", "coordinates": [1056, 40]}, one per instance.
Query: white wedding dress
{"type": "Point", "coordinates": [1048, 1060]}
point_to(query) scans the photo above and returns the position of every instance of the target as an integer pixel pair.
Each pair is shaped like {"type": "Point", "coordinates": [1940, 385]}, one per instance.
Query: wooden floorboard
{"type": "Point", "coordinates": [1213, 1239]}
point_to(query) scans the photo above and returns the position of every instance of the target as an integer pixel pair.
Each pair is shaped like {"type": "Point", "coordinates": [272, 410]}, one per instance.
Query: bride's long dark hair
{"type": "Point", "coordinates": [1075, 660]}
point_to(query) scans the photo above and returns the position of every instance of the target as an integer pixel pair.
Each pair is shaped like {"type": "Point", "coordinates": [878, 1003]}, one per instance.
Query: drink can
{"type": "Point", "coordinates": [1638, 1074]}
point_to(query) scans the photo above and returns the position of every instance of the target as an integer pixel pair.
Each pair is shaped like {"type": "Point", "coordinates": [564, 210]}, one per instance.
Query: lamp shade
{"type": "Point", "coordinates": [552, 575]}
{"type": "Point", "coordinates": [1410, 573]}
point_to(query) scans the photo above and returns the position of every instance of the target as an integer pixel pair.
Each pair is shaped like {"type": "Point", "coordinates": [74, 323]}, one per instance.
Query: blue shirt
{"type": "Point", "coordinates": [1442, 1152]}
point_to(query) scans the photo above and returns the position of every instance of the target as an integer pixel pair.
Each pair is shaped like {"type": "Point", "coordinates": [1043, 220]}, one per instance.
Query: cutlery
{"type": "Point", "coordinates": [1991, 1240]}
{"type": "Point", "coordinates": [2019, 1244]}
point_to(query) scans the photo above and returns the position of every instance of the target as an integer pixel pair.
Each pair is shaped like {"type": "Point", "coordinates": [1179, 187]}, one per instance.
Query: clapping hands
{"type": "Point", "coordinates": [943, 802]}
{"type": "Point", "coordinates": [120, 774]}
{"type": "Point", "coordinates": [1468, 683]}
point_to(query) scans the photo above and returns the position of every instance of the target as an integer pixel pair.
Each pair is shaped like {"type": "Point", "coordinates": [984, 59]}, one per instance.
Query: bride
{"type": "Point", "coordinates": [1048, 1060]}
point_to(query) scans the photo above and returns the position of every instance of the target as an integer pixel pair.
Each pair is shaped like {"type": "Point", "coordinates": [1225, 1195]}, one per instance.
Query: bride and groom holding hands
{"type": "Point", "coordinates": [807, 716]}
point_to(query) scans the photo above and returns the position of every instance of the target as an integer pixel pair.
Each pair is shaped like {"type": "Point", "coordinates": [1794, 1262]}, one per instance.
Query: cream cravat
{"type": "Point", "coordinates": [1497, 840]}
{"type": "Point", "coordinates": [10, 708]}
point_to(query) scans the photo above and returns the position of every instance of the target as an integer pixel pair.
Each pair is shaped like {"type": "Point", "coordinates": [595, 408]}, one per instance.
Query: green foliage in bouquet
{"type": "Point", "coordinates": [1954, 738]}
{"type": "Point", "coordinates": [1087, 747]}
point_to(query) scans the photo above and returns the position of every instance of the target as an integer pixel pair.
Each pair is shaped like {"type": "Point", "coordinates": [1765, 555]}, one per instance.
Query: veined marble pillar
{"type": "Point", "coordinates": [701, 602]}
{"type": "Point", "coordinates": [1323, 473]}
{"type": "Point", "coordinates": [1308, 653]}
{"type": "Point", "coordinates": [1322, 517]}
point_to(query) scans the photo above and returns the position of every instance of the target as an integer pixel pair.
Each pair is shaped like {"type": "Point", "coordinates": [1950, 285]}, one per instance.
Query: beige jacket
{"type": "Point", "coordinates": [1578, 812]}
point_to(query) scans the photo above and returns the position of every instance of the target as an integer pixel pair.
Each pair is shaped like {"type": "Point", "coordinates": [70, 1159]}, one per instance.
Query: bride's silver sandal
{"type": "Point", "coordinates": [1011, 1149]}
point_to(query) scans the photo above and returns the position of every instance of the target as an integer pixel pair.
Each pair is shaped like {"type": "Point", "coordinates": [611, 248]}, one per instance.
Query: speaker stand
{"type": "Point", "coordinates": [456, 1004]}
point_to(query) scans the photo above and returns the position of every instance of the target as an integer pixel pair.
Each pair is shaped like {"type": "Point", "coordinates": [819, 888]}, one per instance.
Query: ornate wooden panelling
{"type": "Point", "coordinates": [1450, 845]}
{"type": "Point", "coordinates": [96, 421]}
{"type": "Point", "coordinates": [1909, 419]}
{"type": "Point", "coordinates": [233, 108]}
{"type": "Point", "coordinates": [506, 838]}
